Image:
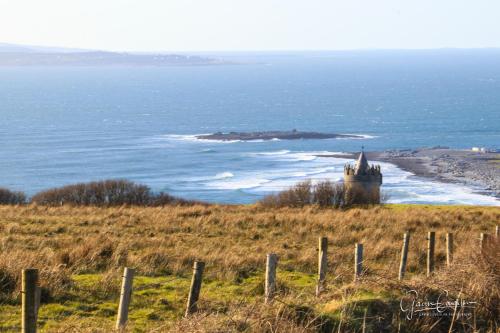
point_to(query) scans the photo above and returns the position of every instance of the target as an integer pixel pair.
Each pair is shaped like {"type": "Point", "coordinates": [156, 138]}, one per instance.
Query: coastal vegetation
{"type": "Point", "coordinates": [106, 193]}
{"type": "Point", "coordinates": [112, 192]}
{"type": "Point", "coordinates": [8, 197]}
{"type": "Point", "coordinates": [305, 193]}
{"type": "Point", "coordinates": [322, 194]}
{"type": "Point", "coordinates": [119, 192]}
{"type": "Point", "coordinates": [80, 252]}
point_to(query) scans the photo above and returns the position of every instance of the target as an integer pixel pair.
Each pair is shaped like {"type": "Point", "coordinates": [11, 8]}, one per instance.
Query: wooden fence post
{"type": "Point", "coordinates": [358, 260]}
{"type": "Point", "coordinates": [483, 238]}
{"type": "Point", "coordinates": [322, 264]}
{"type": "Point", "coordinates": [431, 242]}
{"type": "Point", "coordinates": [449, 248]}
{"type": "Point", "coordinates": [194, 291]}
{"type": "Point", "coordinates": [125, 298]}
{"type": "Point", "coordinates": [29, 286]}
{"type": "Point", "coordinates": [270, 287]}
{"type": "Point", "coordinates": [38, 298]}
{"type": "Point", "coordinates": [496, 231]}
{"type": "Point", "coordinates": [404, 256]}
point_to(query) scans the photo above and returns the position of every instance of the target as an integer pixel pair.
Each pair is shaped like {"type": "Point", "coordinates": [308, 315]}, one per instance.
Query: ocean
{"type": "Point", "coordinates": [61, 125]}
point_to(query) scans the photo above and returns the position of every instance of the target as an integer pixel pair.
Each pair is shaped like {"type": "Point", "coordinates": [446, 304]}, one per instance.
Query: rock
{"type": "Point", "coordinates": [270, 135]}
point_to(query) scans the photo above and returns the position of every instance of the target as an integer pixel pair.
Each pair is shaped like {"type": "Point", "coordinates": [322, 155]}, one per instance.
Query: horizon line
{"type": "Point", "coordinates": [76, 49]}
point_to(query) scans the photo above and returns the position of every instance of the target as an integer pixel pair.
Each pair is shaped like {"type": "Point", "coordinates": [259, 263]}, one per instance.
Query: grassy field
{"type": "Point", "coordinates": [81, 252]}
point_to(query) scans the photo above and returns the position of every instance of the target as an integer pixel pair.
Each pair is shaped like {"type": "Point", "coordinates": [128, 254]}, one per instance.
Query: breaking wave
{"type": "Point", "coordinates": [289, 168]}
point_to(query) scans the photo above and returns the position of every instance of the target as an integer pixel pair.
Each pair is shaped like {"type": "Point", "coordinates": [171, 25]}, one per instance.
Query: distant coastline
{"type": "Point", "coordinates": [12, 55]}
{"type": "Point", "coordinates": [8, 59]}
{"type": "Point", "coordinates": [274, 135]}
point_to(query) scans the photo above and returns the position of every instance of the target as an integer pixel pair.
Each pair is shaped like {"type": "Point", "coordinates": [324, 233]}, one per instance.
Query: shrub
{"type": "Point", "coordinates": [102, 193]}
{"type": "Point", "coordinates": [304, 193]}
{"type": "Point", "coordinates": [163, 199]}
{"type": "Point", "coordinates": [8, 197]}
{"type": "Point", "coordinates": [329, 194]}
{"type": "Point", "coordinates": [106, 193]}
{"type": "Point", "coordinates": [323, 194]}
{"type": "Point", "coordinates": [296, 196]}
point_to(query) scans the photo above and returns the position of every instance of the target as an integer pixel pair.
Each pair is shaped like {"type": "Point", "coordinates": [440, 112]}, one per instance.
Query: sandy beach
{"type": "Point", "coordinates": [478, 169]}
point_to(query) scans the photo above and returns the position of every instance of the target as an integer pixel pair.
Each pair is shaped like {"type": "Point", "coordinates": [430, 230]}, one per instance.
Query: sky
{"type": "Point", "coordinates": [243, 25]}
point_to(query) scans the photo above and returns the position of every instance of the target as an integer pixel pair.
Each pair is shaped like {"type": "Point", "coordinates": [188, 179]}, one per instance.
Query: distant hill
{"type": "Point", "coordinates": [16, 48]}
{"type": "Point", "coordinates": [25, 55]}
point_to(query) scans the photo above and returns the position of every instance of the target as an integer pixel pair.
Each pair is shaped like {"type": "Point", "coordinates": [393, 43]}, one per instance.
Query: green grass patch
{"type": "Point", "coordinates": [155, 301]}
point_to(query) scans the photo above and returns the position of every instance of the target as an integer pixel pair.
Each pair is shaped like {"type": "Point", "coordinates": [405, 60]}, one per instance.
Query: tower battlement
{"type": "Point", "coordinates": [362, 181]}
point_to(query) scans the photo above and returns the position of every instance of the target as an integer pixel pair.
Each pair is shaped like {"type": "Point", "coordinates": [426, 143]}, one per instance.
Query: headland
{"type": "Point", "coordinates": [465, 166]}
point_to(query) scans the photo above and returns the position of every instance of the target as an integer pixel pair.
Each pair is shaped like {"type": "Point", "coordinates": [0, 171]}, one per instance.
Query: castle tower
{"type": "Point", "coordinates": [362, 182]}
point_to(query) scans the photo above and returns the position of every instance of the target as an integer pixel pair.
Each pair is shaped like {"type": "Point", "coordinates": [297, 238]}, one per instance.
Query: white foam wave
{"type": "Point", "coordinates": [193, 138]}
{"type": "Point", "coordinates": [405, 187]}
{"type": "Point", "coordinates": [287, 155]}
{"type": "Point", "coordinates": [180, 137]}
{"type": "Point", "coordinates": [271, 153]}
{"type": "Point", "coordinates": [361, 136]}
{"type": "Point", "coordinates": [401, 186]}
{"type": "Point", "coordinates": [224, 175]}
{"type": "Point", "coordinates": [241, 184]}
{"type": "Point", "coordinates": [209, 178]}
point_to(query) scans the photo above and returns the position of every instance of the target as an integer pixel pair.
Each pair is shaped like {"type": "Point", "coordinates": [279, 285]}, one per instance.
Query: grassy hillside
{"type": "Point", "coordinates": [81, 252]}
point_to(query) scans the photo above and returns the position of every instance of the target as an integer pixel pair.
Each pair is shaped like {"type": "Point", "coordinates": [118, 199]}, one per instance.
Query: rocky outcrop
{"type": "Point", "coordinates": [270, 135]}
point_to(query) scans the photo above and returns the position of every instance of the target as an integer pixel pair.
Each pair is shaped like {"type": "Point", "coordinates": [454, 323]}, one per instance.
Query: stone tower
{"type": "Point", "coordinates": [362, 182]}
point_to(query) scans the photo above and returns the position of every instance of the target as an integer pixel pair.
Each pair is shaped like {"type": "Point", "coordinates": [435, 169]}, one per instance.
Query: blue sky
{"type": "Point", "coordinates": [236, 25]}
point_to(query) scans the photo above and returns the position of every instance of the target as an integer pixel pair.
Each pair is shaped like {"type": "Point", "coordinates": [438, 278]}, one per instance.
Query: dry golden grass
{"type": "Point", "coordinates": [64, 242]}
{"type": "Point", "coordinates": [168, 239]}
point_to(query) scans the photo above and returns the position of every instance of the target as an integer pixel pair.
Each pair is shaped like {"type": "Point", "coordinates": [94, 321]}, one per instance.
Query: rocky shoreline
{"type": "Point", "coordinates": [274, 135]}
{"type": "Point", "coordinates": [471, 168]}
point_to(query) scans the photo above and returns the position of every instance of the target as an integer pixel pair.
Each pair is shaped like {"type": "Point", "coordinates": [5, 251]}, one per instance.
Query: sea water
{"type": "Point", "coordinates": [61, 125]}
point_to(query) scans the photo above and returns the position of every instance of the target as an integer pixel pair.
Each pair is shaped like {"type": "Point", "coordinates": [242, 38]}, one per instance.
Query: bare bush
{"type": "Point", "coordinates": [329, 194]}
{"type": "Point", "coordinates": [102, 193]}
{"type": "Point", "coordinates": [8, 197]}
{"type": "Point", "coordinates": [106, 193]}
{"type": "Point", "coordinates": [324, 194]}
{"type": "Point", "coordinates": [296, 196]}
